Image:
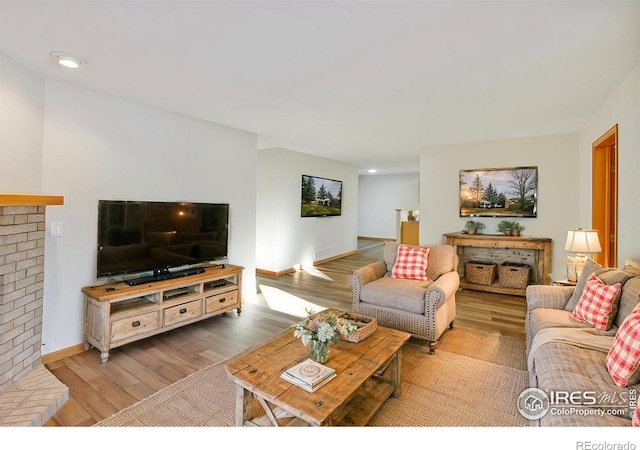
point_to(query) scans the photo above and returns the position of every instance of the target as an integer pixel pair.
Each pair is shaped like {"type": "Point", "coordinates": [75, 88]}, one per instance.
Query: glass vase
{"type": "Point", "coordinates": [319, 351]}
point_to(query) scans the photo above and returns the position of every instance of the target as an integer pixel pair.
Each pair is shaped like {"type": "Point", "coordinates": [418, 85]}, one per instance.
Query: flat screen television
{"type": "Point", "coordinates": [321, 197]}
{"type": "Point", "coordinates": [135, 237]}
{"type": "Point", "coordinates": [499, 192]}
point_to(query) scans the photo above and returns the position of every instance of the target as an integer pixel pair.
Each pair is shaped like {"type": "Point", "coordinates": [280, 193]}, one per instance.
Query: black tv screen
{"type": "Point", "coordinates": [140, 236]}
{"type": "Point", "coordinates": [321, 197]}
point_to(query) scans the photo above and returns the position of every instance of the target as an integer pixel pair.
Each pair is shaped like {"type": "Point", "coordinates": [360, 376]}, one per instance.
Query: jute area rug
{"type": "Point", "coordinates": [474, 379]}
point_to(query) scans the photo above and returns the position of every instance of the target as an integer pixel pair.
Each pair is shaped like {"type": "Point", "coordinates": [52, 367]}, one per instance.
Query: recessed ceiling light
{"type": "Point", "coordinates": [372, 170]}
{"type": "Point", "coordinates": [68, 59]}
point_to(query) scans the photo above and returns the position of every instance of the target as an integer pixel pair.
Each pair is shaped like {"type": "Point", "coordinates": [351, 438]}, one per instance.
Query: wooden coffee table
{"type": "Point", "coordinates": [368, 373]}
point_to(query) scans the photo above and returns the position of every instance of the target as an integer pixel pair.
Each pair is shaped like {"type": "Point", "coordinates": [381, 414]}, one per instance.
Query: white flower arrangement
{"type": "Point", "coordinates": [322, 327]}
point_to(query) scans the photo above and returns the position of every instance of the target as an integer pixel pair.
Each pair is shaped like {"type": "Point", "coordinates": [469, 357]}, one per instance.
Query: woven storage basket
{"type": "Point", "coordinates": [366, 327]}
{"type": "Point", "coordinates": [480, 272]}
{"type": "Point", "coordinates": [513, 275]}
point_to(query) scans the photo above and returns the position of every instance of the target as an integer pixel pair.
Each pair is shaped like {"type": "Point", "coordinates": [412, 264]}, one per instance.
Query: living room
{"type": "Point", "coordinates": [61, 138]}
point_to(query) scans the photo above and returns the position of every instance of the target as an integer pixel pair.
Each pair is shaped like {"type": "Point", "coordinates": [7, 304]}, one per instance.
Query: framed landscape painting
{"type": "Point", "coordinates": [321, 197]}
{"type": "Point", "coordinates": [504, 192]}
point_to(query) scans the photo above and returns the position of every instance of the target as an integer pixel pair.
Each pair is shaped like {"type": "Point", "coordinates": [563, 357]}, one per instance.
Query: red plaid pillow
{"type": "Point", "coordinates": [635, 421]}
{"type": "Point", "coordinates": [411, 263]}
{"type": "Point", "coordinates": [624, 357]}
{"type": "Point", "coordinates": [597, 303]}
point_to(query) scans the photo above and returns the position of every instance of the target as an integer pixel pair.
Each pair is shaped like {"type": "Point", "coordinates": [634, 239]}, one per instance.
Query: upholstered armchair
{"type": "Point", "coordinates": [423, 308]}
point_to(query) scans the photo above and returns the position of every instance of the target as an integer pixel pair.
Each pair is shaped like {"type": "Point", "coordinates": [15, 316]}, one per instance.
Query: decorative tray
{"type": "Point", "coordinates": [366, 326]}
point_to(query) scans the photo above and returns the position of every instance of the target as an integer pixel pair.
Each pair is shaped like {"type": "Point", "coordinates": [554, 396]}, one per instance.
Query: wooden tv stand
{"type": "Point", "coordinates": [116, 314]}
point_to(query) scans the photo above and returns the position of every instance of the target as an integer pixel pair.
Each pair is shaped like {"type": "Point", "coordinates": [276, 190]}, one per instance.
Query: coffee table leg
{"type": "Point", "coordinates": [243, 405]}
{"type": "Point", "coordinates": [396, 367]}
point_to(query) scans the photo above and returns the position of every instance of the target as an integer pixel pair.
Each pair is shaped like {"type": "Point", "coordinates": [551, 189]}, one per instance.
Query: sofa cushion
{"type": "Point", "coordinates": [598, 304]}
{"type": "Point", "coordinates": [543, 318]}
{"type": "Point", "coordinates": [442, 259]}
{"type": "Point", "coordinates": [590, 266]}
{"type": "Point", "coordinates": [608, 276]}
{"type": "Point", "coordinates": [629, 299]}
{"type": "Point", "coordinates": [565, 367]}
{"type": "Point", "coordinates": [405, 295]}
{"type": "Point", "coordinates": [411, 263]}
{"type": "Point", "coordinates": [623, 360]}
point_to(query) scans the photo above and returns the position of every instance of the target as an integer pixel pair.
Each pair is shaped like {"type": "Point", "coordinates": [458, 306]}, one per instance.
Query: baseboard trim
{"type": "Point", "coordinates": [333, 258]}
{"type": "Point", "coordinates": [64, 353]}
{"type": "Point", "coordinates": [377, 238]}
{"type": "Point", "coordinates": [271, 273]}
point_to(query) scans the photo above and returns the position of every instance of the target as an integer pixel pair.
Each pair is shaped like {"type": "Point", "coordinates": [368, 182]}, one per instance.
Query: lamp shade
{"type": "Point", "coordinates": [582, 241]}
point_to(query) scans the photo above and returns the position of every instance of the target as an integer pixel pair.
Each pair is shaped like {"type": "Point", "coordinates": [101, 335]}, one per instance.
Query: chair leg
{"type": "Point", "coordinates": [432, 347]}
{"type": "Point", "coordinates": [451, 325]}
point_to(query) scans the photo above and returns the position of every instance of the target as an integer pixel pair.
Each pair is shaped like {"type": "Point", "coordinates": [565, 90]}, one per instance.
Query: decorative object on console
{"type": "Point", "coordinates": [320, 330]}
{"type": "Point", "coordinates": [581, 242]}
{"type": "Point", "coordinates": [474, 227]}
{"type": "Point", "coordinates": [510, 228]}
{"type": "Point", "coordinates": [516, 229]}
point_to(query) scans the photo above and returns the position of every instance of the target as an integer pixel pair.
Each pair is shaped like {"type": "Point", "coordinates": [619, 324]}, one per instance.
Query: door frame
{"type": "Point", "coordinates": [604, 195]}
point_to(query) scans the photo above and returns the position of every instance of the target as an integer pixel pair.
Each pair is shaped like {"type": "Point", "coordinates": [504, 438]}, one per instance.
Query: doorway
{"type": "Point", "coordinates": [604, 196]}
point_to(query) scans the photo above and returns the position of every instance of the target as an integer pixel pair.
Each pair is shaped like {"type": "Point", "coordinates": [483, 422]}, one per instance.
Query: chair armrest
{"type": "Point", "coordinates": [367, 274]}
{"type": "Point", "coordinates": [364, 275]}
{"type": "Point", "coordinates": [543, 296]}
{"type": "Point", "coordinates": [440, 290]}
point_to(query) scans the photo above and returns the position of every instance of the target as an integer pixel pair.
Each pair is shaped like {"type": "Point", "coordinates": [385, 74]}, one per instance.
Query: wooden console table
{"type": "Point", "coordinates": [542, 247]}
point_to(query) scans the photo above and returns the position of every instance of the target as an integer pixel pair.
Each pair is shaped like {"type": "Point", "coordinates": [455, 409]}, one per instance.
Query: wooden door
{"type": "Point", "coordinates": [604, 196]}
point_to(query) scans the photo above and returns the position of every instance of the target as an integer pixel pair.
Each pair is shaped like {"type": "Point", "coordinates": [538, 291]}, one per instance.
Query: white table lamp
{"type": "Point", "coordinates": [583, 243]}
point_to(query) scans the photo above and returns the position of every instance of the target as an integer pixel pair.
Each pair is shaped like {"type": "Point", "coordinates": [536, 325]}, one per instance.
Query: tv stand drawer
{"type": "Point", "coordinates": [221, 301]}
{"type": "Point", "coordinates": [133, 326]}
{"type": "Point", "coordinates": [181, 313]}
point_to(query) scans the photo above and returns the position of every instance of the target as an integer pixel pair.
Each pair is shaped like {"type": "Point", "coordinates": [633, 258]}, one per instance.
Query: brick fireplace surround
{"type": "Point", "coordinates": [29, 394]}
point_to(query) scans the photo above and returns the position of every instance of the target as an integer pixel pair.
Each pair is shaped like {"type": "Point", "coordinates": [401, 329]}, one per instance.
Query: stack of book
{"type": "Point", "coordinates": [309, 375]}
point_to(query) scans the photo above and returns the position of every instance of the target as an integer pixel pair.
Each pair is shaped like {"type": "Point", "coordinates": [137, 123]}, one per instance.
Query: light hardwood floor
{"type": "Point", "coordinates": [137, 370]}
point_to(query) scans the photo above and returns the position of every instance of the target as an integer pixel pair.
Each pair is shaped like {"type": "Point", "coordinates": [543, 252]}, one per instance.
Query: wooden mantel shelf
{"type": "Point", "coordinates": [30, 200]}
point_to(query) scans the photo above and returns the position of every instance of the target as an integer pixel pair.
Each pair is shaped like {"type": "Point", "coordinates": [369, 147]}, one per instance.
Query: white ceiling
{"type": "Point", "coordinates": [369, 83]}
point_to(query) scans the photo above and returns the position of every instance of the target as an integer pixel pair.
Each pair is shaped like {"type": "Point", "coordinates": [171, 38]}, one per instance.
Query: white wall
{"type": "Point", "coordinates": [21, 126]}
{"type": "Point", "coordinates": [378, 198]}
{"type": "Point", "coordinates": [622, 108]}
{"type": "Point", "coordinates": [284, 239]}
{"type": "Point", "coordinates": [556, 158]}
{"type": "Point", "coordinates": [98, 146]}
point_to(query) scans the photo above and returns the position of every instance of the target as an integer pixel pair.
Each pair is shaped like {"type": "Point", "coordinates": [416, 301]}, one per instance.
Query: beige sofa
{"type": "Point", "coordinates": [425, 309]}
{"type": "Point", "coordinates": [564, 355]}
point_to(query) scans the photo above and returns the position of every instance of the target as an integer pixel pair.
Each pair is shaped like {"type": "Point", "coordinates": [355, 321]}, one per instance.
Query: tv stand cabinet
{"type": "Point", "coordinates": [117, 314]}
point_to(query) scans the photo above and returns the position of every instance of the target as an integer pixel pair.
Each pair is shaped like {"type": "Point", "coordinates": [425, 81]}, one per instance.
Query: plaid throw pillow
{"type": "Point", "coordinates": [624, 357]}
{"type": "Point", "coordinates": [636, 417]}
{"type": "Point", "coordinates": [596, 304]}
{"type": "Point", "coordinates": [411, 263]}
